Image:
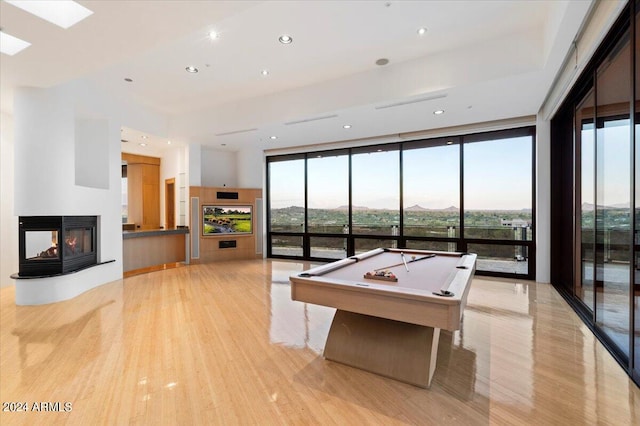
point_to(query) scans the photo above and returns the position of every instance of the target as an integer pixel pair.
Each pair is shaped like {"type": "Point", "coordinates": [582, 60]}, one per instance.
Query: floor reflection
{"type": "Point", "coordinates": [296, 324]}
{"type": "Point", "coordinates": [223, 343]}
{"type": "Point", "coordinates": [519, 345]}
{"type": "Point", "coordinates": [72, 335]}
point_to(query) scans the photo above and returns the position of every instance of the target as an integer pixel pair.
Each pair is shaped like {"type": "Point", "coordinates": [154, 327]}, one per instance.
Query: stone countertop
{"type": "Point", "coordinates": [153, 232]}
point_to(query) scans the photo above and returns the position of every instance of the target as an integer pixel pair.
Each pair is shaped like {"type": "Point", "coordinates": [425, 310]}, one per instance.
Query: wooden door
{"type": "Point", "coordinates": [170, 203]}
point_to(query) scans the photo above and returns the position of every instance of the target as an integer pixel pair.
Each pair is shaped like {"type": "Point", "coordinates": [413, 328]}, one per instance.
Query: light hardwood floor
{"type": "Point", "coordinates": [224, 344]}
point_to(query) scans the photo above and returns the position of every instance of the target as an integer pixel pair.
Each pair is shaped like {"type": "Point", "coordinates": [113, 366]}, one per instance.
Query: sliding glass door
{"type": "Point", "coordinates": [586, 201]}
{"type": "Point", "coordinates": [603, 198]}
{"type": "Point", "coordinates": [595, 163]}
{"type": "Point", "coordinates": [613, 195]}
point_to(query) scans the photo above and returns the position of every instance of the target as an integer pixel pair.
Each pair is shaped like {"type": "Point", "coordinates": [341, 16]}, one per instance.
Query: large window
{"type": "Point", "coordinates": [328, 196]}
{"type": "Point", "coordinates": [613, 194]}
{"type": "Point", "coordinates": [287, 201]}
{"type": "Point", "coordinates": [376, 191]}
{"type": "Point", "coordinates": [328, 204]}
{"type": "Point", "coordinates": [431, 188]}
{"type": "Point", "coordinates": [498, 203]}
{"type": "Point", "coordinates": [585, 230]}
{"type": "Point", "coordinates": [454, 193]}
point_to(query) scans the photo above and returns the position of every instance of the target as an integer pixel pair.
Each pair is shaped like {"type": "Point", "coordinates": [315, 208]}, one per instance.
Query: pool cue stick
{"type": "Point", "coordinates": [404, 261]}
{"type": "Point", "coordinates": [400, 264]}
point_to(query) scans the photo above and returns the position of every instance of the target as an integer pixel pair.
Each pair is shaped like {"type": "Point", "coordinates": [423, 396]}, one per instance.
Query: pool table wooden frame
{"type": "Point", "coordinates": [390, 328]}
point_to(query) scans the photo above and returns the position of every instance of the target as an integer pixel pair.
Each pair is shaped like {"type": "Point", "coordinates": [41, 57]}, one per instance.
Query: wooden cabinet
{"type": "Point", "coordinates": [143, 186]}
{"type": "Point", "coordinates": [212, 247]}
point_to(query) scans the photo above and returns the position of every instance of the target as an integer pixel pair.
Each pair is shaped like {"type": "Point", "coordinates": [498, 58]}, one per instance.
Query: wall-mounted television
{"type": "Point", "coordinates": [226, 219]}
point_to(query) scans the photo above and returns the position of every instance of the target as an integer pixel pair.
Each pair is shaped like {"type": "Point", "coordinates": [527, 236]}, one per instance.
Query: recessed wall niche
{"type": "Point", "coordinates": [92, 153]}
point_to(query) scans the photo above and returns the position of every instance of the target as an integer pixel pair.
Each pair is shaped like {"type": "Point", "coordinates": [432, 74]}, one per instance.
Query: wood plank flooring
{"type": "Point", "coordinates": [223, 344]}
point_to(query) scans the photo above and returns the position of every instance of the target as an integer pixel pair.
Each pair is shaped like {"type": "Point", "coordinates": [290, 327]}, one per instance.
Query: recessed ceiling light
{"type": "Point", "coordinates": [10, 45]}
{"type": "Point", "coordinates": [449, 142]}
{"type": "Point", "coordinates": [346, 126]}
{"type": "Point", "coordinates": [438, 112]}
{"type": "Point", "coordinates": [128, 80]}
{"type": "Point", "coordinates": [273, 137]}
{"type": "Point", "coordinates": [191, 69]}
{"type": "Point", "coordinates": [422, 31]}
{"type": "Point", "coordinates": [144, 136]}
{"type": "Point", "coordinates": [142, 144]}
{"type": "Point", "coordinates": [61, 13]}
{"type": "Point", "coordinates": [213, 35]}
{"type": "Point", "coordinates": [285, 39]}
{"type": "Point", "coordinates": [382, 61]}
{"type": "Point", "coordinates": [168, 142]}
{"type": "Point", "coordinates": [264, 72]}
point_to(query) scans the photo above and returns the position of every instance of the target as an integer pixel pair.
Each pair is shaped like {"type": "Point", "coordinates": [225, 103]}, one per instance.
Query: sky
{"type": "Point", "coordinates": [497, 177]}
{"type": "Point", "coordinates": [614, 172]}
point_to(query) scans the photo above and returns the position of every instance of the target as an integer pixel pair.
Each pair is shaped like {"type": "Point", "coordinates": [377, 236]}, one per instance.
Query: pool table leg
{"type": "Point", "coordinates": [395, 349]}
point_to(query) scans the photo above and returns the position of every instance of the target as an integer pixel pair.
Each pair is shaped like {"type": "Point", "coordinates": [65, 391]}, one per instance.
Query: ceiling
{"type": "Point", "coordinates": [478, 61]}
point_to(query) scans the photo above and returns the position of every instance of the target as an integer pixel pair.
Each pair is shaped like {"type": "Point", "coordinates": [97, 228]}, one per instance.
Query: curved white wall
{"type": "Point", "coordinates": [8, 222]}
{"type": "Point", "coordinates": [52, 146]}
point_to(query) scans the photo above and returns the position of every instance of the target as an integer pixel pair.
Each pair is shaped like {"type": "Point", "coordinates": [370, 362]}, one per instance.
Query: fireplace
{"type": "Point", "coordinates": [53, 245]}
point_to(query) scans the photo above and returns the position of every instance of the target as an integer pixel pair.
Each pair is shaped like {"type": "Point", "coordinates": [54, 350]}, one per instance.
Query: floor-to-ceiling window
{"type": "Point", "coordinates": [459, 193]}
{"type": "Point", "coordinates": [287, 200]}
{"type": "Point", "coordinates": [586, 220]}
{"type": "Point", "coordinates": [613, 192]}
{"type": "Point", "coordinates": [375, 197]}
{"type": "Point", "coordinates": [636, 235]}
{"type": "Point", "coordinates": [498, 203]}
{"type": "Point", "coordinates": [600, 276]}
{"type": "Point", "coordinates": [328, 204]}
{"type": "Point", "coordinates": [431, 212]}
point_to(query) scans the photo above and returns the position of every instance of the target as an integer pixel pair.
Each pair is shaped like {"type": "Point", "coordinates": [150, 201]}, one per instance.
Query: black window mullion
{"type": "Point", "coordinates": [400, 240]}
{"type": "Point", "coordinates": [632, 120]}
{"type": "Point", "coordinates": [462, 245]}
{"type": "Point", "coordinates": [306, 242]}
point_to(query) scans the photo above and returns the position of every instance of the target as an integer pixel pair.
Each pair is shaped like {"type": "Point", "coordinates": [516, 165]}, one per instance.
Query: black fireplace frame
{"type": "Point", "coordinates": [63, 264]}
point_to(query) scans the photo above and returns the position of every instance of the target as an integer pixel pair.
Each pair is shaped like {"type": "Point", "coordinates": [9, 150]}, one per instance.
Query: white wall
{"type": "Point", "coordinates": [219, 168]}
{"type": "Point", "coordinates": [194, 165]}
{"type": "Point", "coordinates": [8, 222]}
{"type": "Point", "coordinates": [172, 165]}
{"type": "Point", "coordinates": [45, 184]}
{"type": "Point", "coordinates": [543, 200]}
{"type": "Point", "coordinates": [251, 163]}
{"type": "Point", "coordinates": [49, 161]}
{"type": "Point", "coordinates": [91, 148]}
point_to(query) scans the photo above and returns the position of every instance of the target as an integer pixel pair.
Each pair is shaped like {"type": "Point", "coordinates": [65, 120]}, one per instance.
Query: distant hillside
{"type": "Point", "coordinates": [419, 208]}
{"type": "Point", "coordinates": [355, 208]}
{"type": "Point", "coordinates": [291, 209]}
{"type": "Point", "coordinates": [414, 208]}
{"type": "Point", "coordinates": [586, 207]}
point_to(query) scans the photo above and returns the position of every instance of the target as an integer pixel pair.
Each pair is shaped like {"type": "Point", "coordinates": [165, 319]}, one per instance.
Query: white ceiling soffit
{"type": "Point", "coordinates": [478, 61]}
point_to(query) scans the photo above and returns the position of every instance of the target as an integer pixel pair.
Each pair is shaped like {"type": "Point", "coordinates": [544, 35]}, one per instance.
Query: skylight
{"type": "Point", "coordinates": [10, 45]}
{"type": "Point", "coordinates": [63, 13]}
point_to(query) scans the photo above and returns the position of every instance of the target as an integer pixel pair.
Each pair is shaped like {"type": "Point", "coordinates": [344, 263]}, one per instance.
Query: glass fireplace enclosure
{"type": "Point", "coordinates": [595, 184]}
{"type": "Point", "coordinates": [51, 245]}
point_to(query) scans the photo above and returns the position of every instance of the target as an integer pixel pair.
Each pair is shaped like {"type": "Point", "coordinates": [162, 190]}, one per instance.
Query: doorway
{"type": "Point", "coordinates": [170, 203]}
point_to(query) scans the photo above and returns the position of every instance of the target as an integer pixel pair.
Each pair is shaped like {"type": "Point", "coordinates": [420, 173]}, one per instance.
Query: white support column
{"type": "Point", "coordinates": [543, 200]}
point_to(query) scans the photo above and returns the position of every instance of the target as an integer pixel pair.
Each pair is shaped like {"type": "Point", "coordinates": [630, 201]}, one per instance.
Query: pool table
{"type": "Point", "coordinates": [390, 325]}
